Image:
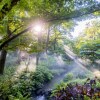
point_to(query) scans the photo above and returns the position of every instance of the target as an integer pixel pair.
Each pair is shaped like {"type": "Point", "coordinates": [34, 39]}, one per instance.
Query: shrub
{"type": "Point", "coordinates": [90, 90]}
{"type": "Point", "coordinates": [42, 75]}
{"type": "Point", "coordinates": [81, 76]}
{"type": "Point", "coordinates": [21, 87]}
{"type": "Point", "coordinates": [68, 77]}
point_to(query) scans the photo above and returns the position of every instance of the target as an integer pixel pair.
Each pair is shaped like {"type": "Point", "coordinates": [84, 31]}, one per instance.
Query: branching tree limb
{"type": "Point", "coordinates": [78, 13]}
{"type": "Point", "coordinates": [6, 8]}
{"type": "Point", "coordinates": [13, 37]}
{"type": "Point", "coordinates": [73, 14]}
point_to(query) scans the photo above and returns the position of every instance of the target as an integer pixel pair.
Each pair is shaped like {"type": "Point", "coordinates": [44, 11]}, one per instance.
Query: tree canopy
{"type": "Point", "coordinates": [23, 12]}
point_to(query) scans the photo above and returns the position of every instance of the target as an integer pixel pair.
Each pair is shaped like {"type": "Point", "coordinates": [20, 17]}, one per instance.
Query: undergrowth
{"type": "Point", "coordinates": [20, 87]}
{"type": "Point", "coordinates": [86, 89]}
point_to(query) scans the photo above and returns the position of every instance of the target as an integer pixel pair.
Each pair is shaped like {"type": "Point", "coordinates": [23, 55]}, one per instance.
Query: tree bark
{"type": "Point", "coordinates": [55, 41]}
{"type": "Point", "coordinates": [37, 58]}
{"type": "Point", "coordinates": [55, 44]}
{"type": "Point", "coordinates": [38, 47]}
{"type": "Point", "coordinates": [14, 37]}
{"type": "Point", "coordinates": [3, 53]}
{"type": "Point", "coordinates": [19, 57]}
{"type": "Point", "coordinates": [2, 60]}
{"type": "Point", "coordinates": [47, 41]}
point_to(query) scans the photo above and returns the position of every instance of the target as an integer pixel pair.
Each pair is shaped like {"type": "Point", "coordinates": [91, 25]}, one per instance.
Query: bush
{"type": "Point", "coordinates": [81, 76]}
{"type": "Point", "coordinates": [21, 87]}
{"type": "Point", "coordinates": [90, 90]}
{"type": "Point", "coordinates": [42, 75]}
{"type": "Point", "coordinates": [18, 97]}
{"type": "Point", "coordinates": [68, 77]}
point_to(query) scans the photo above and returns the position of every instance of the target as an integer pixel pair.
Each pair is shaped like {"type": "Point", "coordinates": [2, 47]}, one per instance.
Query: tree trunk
{"type": "Point", "coordinates": [47, 41]}
{"type": "Point", "coordinates": [38, 48]}
{"type": "Point", "coordinates": [55, 44]}
{"type": "Point", "coordinates": [37, 58]}
{"type": "Point", "coordinates": [2, 60]}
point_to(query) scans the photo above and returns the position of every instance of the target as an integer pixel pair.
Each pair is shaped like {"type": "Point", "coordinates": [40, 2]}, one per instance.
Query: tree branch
{"type": "Point", "coordinates": [17, 29]}
{"type": "Point", "coordinates": [78, 13]}
{"type": "Point", "coordinates": [74, 14]}
{"type": "Point", "coordinates": [5, 9]}
{"type": "Point", "coordinates": [13, 37]}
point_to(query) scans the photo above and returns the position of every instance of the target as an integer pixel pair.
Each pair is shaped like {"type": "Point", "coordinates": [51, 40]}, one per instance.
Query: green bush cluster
{"type": "Point", "coordinates": [42, 75]}
{"type": "Point", "coordinates": [20, 87]}
{"type": "Point", "coordinates": [69, 77]}
{"type": "Point", "coordinates": [88, 88]}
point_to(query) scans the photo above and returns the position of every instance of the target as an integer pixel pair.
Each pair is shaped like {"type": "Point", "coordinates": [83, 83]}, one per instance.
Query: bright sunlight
{"type": "Point", "coordinates": [38, 28]}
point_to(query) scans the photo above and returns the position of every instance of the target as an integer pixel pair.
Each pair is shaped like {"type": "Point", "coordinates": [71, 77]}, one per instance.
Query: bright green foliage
{"type": "Point", "coordinates": [18, 97]}
{"type": "Point", "coordinates": [88, 43]}
{"type": "Point", "coordinates": [90, 49]}
{"type": "Point", "coordinates": [25, 12]}
{"type": "Point", "coordinates": [41, 76]}
{"type": "Point", "coordinates": [20, 87]}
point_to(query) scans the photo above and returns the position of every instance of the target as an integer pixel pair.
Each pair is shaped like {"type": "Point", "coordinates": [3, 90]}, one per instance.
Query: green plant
{"type": "Point", "coordinates": [18, 97]}
{"type": "Point", "coordinates": [20, 87]}
{"type": "Point", "coordinates": [68, 77]}
{"type": "Point", "coordinates": [81, 76]}
{"type": "Point", "coordinates": [89, 90]}
{"type": "Point", "coordinates": [42, 75]}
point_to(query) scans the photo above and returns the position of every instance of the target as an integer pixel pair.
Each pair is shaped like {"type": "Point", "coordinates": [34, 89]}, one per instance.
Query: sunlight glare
{"type": "Point", "coordinates": [79, 28]}
{"type": "Point", "coordinates": [38, 28]}
{"type": "Point", "coordinates": [96, 72]}
{"type": "Point", "coordinates": [30, 68]}
{"type": "Point", "coordinates": [98, 0]}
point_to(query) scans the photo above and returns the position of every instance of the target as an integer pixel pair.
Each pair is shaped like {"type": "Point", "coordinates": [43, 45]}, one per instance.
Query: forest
{"type": "Point", "coordinates": [49, 49]}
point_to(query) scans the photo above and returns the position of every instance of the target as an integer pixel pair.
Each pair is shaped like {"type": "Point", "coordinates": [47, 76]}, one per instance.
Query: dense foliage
{"type": "Point", "coordinates": [87, 44]}
{"type": "Point", "coordinates": [89, 90]}
{"type": "Point", "coordinates": [21, 86]}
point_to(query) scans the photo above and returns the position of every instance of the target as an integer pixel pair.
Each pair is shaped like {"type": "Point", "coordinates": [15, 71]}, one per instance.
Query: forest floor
{"type": "Point", "coordinates": [62, 68]}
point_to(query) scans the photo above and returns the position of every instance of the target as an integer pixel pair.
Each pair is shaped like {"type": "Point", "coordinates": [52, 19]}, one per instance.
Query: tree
{"type": "Point", "coordinates": [72, 14]}
{"type": "Point", "coordinates": [90, 49]}
{"type": "Point", "coordinates": [50, 11]}
{"type": "Point", "coordinates": [6, 7]}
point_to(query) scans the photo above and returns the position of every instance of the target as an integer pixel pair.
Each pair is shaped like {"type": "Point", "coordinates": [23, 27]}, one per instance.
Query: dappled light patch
{"type": "Point", "coordinates": [96, 72]}
{"type": "Point", "coordinates": [23, 66]}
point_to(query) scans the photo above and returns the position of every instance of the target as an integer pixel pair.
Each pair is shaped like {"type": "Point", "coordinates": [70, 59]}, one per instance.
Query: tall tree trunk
{"type": "Point", "coordinates": [38, 47]}
{"type": "Point", "coordinates": [19, 57]}
{"type": "Point", "coordinates": [37, 58]}
{"type": "Point", "coordinates": [55, 44]}
{"type": "Point", "coordinates": [3, 53]}
{"type": "Point", "coordinates": [47, 41]}
{"type": "Point", "coordinates": [2, 60]}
